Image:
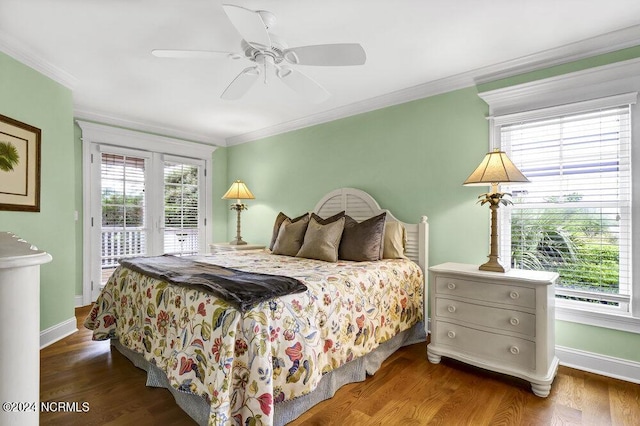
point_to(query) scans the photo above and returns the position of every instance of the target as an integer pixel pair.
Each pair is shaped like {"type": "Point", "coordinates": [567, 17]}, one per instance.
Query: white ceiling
{"type": "Point", "coordinates": [101, 50]}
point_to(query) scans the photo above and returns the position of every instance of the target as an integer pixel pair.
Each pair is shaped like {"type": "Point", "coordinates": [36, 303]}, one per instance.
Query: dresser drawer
{"type": "Point", "coordinates": [507, 350]}
{"type": "Point", "coordinates": [498, 293]}
{"type": "Point", "coordinates": [498, 318]}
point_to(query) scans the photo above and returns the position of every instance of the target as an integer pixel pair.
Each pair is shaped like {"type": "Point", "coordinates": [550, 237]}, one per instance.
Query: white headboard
{"type": "Point", "coordinates": [360, 205]}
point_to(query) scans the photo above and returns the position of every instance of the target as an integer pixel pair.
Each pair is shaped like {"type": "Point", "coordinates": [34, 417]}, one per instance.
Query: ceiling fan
{"type": "Point", "coordinates": [270, 54]}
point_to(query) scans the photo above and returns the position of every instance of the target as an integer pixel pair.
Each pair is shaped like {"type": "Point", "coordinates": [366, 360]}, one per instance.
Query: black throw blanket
{"type": "Point", "coordinates": [241, 289]}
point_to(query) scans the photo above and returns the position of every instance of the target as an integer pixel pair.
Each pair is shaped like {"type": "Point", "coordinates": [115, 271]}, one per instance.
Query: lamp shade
{"type": "Point", "coordinates": [238, 191]}
{"type": "Point", "coordinates": [495, 168]}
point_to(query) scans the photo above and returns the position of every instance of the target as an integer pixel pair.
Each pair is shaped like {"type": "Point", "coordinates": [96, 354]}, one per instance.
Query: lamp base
{"type": "Point", "coordinates": [237, 242]}
{"type": "Point", "coordinates": [493, 265]}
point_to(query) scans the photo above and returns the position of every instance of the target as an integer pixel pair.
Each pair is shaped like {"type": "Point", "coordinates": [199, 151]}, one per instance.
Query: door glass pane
{"type": "Point", "coordinates": [181, 201]}
{"type": "Point", "coordinates": [123, 232]}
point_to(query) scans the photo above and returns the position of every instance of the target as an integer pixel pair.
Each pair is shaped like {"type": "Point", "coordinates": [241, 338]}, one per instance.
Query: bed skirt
{"type": "Point", "coordinates": [287, 411]}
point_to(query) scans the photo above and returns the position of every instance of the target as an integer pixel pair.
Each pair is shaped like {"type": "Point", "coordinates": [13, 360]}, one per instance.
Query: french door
{"type": "Point", "coordinates": [123, 215]}
{"type": "Point", "coordinates": [143, 204]}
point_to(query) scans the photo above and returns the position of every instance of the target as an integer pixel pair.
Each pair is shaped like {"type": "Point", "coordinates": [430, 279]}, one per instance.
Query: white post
{"type": "Point", "coordinates": [20, 330]}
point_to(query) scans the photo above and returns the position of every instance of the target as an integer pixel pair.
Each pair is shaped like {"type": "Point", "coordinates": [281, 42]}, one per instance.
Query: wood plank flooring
{"type": "Point", "coordinates": [407, 390]}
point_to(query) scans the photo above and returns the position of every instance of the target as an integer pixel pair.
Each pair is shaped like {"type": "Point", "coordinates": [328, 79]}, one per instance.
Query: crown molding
{"type": "Point", "coordinates": [88, 115]}
{"type": "Point", "coordinates": [21, 53]}
{"type": "Point", "coordinates": [606, 43]}
{"type": "Point", "coordinates": [421, 91]}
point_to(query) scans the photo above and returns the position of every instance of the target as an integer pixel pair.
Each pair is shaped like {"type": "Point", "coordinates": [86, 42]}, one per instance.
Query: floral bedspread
{"type": "Point", "coordinates": [243, 364]}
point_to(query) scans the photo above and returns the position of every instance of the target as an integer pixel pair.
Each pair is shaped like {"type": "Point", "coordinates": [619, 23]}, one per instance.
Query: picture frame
{"type": "Point", "coordinates": [19, 166]}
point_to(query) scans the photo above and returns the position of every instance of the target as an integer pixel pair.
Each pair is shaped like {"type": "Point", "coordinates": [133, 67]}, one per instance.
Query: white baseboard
{"type": "Point", "coordinates": [78, 300]}
{"type": "Point", "coordinates": [599, 364]}
{"type": "Point", "coordinates": [58, 332]}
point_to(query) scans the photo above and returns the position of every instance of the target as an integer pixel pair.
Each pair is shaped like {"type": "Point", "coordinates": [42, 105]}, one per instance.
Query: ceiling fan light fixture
{"type": "Point", "coordinates": [268, 18]}
{"type": "Point", "coordinates": [291, 57]}
{"type": "Point", "coordinates": [282, 72]}
{"type": "Point", "coordinates": [267, 61]}
{"type": "Point", "coordinates": [268, 52]}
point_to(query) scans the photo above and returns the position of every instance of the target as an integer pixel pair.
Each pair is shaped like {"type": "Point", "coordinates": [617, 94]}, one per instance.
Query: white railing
{"type": "Point", "coordinates": [118, 243]}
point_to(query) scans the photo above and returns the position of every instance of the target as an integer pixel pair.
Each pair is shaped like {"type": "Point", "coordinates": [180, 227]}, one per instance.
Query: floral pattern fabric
{"type": "Point", "coordinates": [243, 364]}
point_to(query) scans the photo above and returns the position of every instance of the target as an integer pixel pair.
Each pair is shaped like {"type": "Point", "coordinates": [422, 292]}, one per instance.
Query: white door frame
{"type": "Point", "coordinates": [94, 135]}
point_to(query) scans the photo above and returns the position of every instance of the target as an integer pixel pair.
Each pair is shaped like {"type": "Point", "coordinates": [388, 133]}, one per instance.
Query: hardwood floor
{"type": "Point", "coordinates": [407, 390]}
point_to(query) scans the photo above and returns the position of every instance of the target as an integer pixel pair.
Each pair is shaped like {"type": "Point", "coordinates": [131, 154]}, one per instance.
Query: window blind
{"type": "Point", "coordinates": [181, 213]}
{"type": "Point", "coordinates": [575, 215]}
{"type": "Point", "coordinates": [123, 232]}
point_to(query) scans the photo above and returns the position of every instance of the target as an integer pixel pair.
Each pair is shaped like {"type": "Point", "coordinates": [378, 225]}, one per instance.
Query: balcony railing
{"type": "Point", "coordinates": [118, 243]}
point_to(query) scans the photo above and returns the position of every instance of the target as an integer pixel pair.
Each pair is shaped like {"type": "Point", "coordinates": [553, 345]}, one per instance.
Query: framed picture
{"type": "Point", "coordinates": [19, 166]}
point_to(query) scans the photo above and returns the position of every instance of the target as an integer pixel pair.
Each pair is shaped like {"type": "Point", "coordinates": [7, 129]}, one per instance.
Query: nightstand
{"type": "Point", "coordinates": [504, 322]}
{"type": "Point", "coordinates": [226, 247]}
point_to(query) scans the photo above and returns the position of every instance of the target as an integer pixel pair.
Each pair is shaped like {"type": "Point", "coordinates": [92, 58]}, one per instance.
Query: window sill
{"type": "Point", "coordinates": [599, 319]}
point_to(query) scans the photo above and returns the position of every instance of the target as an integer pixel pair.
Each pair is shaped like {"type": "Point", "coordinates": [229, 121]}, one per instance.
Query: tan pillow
{"type": "Point", "coordinates": [322, 241]}
{"type": "Point", "coordinates": [276, 226]}
{"type": "Point", "coordinates": [362, 241]}
{"type": "Point", "coordinates": [290, 237]}
{"type": "Point", "coordinates": [395, 238]}
{"type": "Point", "coordinates": [328, 220]}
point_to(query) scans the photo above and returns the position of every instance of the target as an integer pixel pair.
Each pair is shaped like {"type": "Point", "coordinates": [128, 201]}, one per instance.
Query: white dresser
{"type": "Point", "coordinates": [504, 322]}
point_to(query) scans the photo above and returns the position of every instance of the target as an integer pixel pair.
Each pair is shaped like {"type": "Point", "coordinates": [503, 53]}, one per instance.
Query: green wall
{"type": "Point", "coordinates": [32, 98]}
{"type": "Point", "coordinates": [413, 159]}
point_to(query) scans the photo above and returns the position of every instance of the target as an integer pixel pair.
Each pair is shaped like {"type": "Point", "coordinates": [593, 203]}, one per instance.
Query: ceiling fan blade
{"type": "Point", "coordinates": [302, 84]}
{"type": "Point", "coordinates": [249, 24]}
{"type": "Point", "coordinates": [241, 84]}
{"type": "Point", "coordinates": [341, 54]}
{"type": "Point", "coordinates": [168, 53]}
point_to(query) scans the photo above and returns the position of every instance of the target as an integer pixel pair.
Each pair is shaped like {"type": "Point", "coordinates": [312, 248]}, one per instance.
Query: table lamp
{"type": "Point", "coordinates": [495, 168]}
{"type": "Point", "coordinates": [238, 191]}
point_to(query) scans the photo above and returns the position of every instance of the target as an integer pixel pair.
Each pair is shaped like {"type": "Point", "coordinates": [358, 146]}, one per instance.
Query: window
{"type": "Point", "coordinates": [181, 208]}
{"type": "Point", "coordinates": [576, 137]}
{"type": "Point", "coordinates": [574, 217]}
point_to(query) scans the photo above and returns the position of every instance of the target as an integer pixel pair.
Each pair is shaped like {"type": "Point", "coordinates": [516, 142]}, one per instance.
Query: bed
{"type": "Point", "coordinates": [272, 362]}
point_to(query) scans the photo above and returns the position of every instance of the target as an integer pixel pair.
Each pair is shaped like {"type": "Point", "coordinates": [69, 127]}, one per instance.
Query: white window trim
{"type": "Point", "coordinates": [588, 89]}
{"type": "Point", "coordinates": [94, 135]}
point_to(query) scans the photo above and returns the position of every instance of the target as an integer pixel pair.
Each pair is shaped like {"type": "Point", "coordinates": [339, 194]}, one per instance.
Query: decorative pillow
{"type": "Point", "coordinates": [290, 236]}
{"type": "Point", "coordinates": [362, 241]}
{"type": "Point", "coordinates": [328, 220]}
{"type": "Point", "coordinates": [276, 226]}
{"type": "Point", "coordinates": [395, 238]}
{"type": "Point", "coordinates": [322, 241]}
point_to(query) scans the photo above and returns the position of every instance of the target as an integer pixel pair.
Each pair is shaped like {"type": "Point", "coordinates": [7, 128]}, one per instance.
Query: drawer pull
{"type": "Point", "coordinates": [514, 350]}
{"type": "Point", "coordinates": [451, 335]}
{"type": "Point", "coordinates": [514, 295]}
{"type": "Point", "coordinates": [451, 308]}
{"type": "Point", "coordinates": [514, 321]}
{"type": "Point", "coordinates": [451, 286]}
